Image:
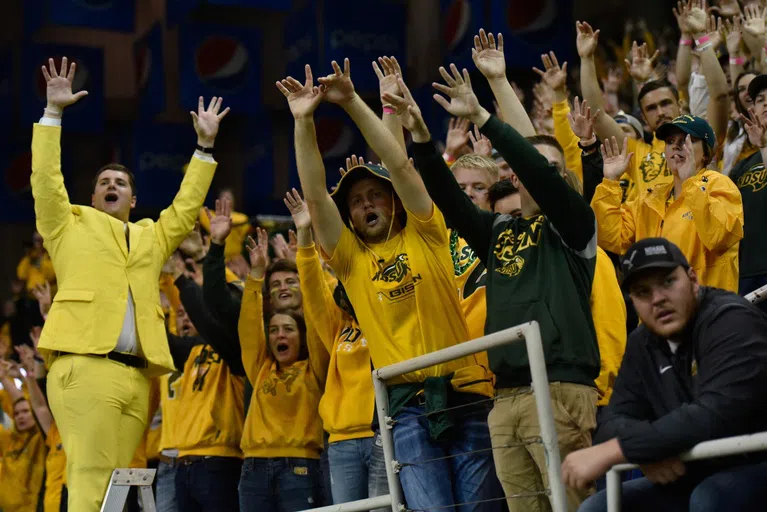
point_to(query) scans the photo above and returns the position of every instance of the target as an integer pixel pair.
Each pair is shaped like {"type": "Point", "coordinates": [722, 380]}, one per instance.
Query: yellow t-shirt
{"type": "Point", "coordinates": [647, 169]}
{"type": "Point", "coordinates": [405, 298]}
{"type": "Point", "coordinates": [55, 470]}
{"type": "Point", "coordinates": [282, 419]}
{"type": "Point", "coordinates": [36, 274]}
{"type": "Point", "coordinates": [471, 278]}
{"type": "Point", "coordinates": [23, 464]}
{"type": "Point", "coordinates": [211, 415]}
{"type": "Point", "coordinates": [170, 402]}
{"type": "Point", "coordinates": [347, 406]}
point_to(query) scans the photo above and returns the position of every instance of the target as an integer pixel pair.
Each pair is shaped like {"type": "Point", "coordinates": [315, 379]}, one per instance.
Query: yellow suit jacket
{"type": "Point", "coordinates": [93, 265]}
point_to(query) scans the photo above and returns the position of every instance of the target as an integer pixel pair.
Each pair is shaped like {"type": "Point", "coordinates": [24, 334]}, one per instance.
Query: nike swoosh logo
{"type": "Point", "coordinates": [665, 368]}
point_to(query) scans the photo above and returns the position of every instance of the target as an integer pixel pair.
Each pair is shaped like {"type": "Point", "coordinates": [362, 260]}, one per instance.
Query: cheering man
{"type": "Point", "coordinates": [105, 334]}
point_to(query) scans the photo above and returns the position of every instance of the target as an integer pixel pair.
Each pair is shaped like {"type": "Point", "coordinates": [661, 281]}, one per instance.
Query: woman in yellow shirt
{"type": "Point", "coordinates": [282, 440]}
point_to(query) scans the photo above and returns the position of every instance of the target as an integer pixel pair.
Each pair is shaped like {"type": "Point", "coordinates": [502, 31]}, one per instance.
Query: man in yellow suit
{"type": "Point", "coordinates": [105, 334]}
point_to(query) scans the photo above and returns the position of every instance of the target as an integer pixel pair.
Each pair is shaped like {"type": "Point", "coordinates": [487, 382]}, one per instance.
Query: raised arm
{"type": "Point", "coordinates": [473, 224]}
{"type": "Point", "coordinates": [52, 208]}
{"type": "Point", "coordinates": [564, 207]}
{"type": "Point", "coordinates": [491, 62]}
{"type": "Point", "coordinates": [218, 298]}
{"type": "Point", "coordinates": [684, 52]}
{"type": "Point", "coordinates": [35, 371]}
{"type": "Point", "coordinates": [178, 220]}
{"type": "Point", "coordinates": [717, 112]}
{"type": "Point", "coordinates": [405, 179]}
{"type": "Point", "coordinates": [732, 32]}
{"type": "Point", "coordinates": [387, 82]}
{"type": "Point", "coordinates": [320, 309]}
{"type": "Point", "coordinates": [303, 101]}
{"type": "Point", "coordinates": [251, 325]}
{"type": "Point", "coordinates": [605, 126]}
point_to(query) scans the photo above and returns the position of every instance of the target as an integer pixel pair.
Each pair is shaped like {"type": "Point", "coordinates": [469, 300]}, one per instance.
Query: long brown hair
{"type": "Point", "coordinates": [303, 352]}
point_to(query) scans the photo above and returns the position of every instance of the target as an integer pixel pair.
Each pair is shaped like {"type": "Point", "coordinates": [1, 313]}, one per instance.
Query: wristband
{"type": "Point", "coordinates": [202, 149]}
{"type": "Point", "coordinates": [52, 113]}
{"type": "Point", "coordinates": [388, 109]}
{"type": "Point", "coordinates": [704, 39]}
{"type": "Point", "coordinates": [685, 42]}
{"type": "Point", "coordinates": [737, 61]}
{"type": "Point", "coordinates": [448, 158]}
{"type": "Point", "coordinates": [703, 47]}
{"type": "Point", "coordinates": [591, 143]}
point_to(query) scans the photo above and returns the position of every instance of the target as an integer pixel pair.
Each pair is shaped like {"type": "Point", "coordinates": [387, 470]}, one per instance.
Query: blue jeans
{"type": "Point", "coordinates": [463, 478]}
{"type": "Point", "coordinates": [280, 484]}
{"type": "Point", "coordinates": [357, 469]}
{"type": "Point", "coordinates": [208, 485]}
{"type": "Point", "coordinates": [741, 488]}
{"type": "Point", "coordinates": [166, 488]}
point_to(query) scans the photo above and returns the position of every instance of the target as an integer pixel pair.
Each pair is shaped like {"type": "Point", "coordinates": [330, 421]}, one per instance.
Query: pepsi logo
{"type": "Point", "coordinates": [96, 5]}
{"type": "Point", "coordinates": [18, 172]}
{"type": "Point", "coordinates": [365, 41]}
{"type": "Point", "coordinates": [525, 17]}
{"type": "Point", "coordinates": [455, 24]}
{"type": "Point", "coordinates": [299, 48]}
{"type": "Point", "coordinates": [222, 63]}
{"type": "Point", "coordinates": [81, 81]}
{"type": "Point", "coordinates": [334, 138]}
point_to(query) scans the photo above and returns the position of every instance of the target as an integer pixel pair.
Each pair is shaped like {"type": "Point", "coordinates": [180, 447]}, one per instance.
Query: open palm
{"type": "Point", "coordinates": [298, 210]}
{"type": "Point", "coordinates": [488, 58]}
{"type": "Point", "coordinates": [221, 224]}
{"type": "Point", "coordinates": [587, 39]}
{"type": "Point", "coordinates": [302, 99]}
{"type": "Point", "coordinates": [58, 89]}
{"type": "Point", "coordinates": [259, 253]}
{"type": "Point", "coordinates": [615, 161]}
{"type": "Point", "coordinates": [463, 102]}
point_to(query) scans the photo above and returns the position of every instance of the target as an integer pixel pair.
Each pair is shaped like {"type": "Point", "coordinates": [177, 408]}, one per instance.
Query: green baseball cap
{"type": "Point", "coordinates": [351, 177]}
{"type": "Point", "coordinates": [692, 125]}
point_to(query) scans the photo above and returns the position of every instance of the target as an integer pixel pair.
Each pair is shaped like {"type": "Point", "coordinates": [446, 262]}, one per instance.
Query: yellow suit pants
{"type": "Point", "coordinates": [101, 408]}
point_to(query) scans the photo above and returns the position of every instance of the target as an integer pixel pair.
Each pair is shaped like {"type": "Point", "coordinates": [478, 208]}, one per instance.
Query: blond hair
{"type": "Point", "coordinates": [474, 161]}
{"type": "Point", "coordinates": [572, 179]}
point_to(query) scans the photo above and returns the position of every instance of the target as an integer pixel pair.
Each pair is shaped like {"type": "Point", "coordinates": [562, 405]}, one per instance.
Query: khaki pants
{"type": "Point", "coordinates": [101, 408]}
{"type": "Point", "coordinates": [522, 469]}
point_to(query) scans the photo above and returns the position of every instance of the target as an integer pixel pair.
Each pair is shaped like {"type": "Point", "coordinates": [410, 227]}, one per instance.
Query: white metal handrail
{"type": "Point", "coordinates": [757, 295]}
{"type": "Point", "coordinates": [705, 450]}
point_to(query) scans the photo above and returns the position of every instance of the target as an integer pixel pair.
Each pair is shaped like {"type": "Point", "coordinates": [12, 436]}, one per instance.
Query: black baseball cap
{"type": "Point", "coordinates": [756, 86]}
{"type": "Point", "coordinates": [351, 177]}
{"type": "Point", "coordinates": [650, 253]}
{"type": "Point", "coordinates": [693, 125]}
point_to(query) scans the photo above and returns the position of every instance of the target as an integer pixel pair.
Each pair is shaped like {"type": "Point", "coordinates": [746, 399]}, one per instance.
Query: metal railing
{"type": "Point", "coordinates": [531, 334]}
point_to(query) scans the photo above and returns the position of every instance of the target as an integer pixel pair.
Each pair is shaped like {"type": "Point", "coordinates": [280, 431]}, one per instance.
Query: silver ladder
{"type": "Point", "coordinates": [120, 483]}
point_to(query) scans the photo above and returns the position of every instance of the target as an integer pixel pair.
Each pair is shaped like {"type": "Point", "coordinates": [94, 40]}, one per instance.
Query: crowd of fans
{"type": "Point", "coordinates": [525, 212]}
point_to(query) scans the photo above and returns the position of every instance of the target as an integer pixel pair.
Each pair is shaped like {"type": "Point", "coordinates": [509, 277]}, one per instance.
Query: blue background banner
{"type": "Point", "coordinates": [87, 115]}
{"type": "Point", "coordinates": [302, 42]}
{"type": "Point", "coordinates": [221, 61]}
{"type": "Point", "coordinates": [118, 15]}
{"type": "Point", "coordinates": [258, 152]}
{"type": "Point", "coordinates": [277, 5]}
{"type": "Point", "coordinates": [461, 21]}
{"type": "Point", "coordinates": [177, 11]}
{"type": "Point", "coordinates": [150, 73]}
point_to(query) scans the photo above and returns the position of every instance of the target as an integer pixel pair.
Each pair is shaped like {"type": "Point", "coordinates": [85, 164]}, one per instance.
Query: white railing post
{"type": "Point", "coordinates": [532, 335]}
{"type": "Point", "coordinates": [387, 439]}
{"type": "Point", "coordinates": [614, 491]}
{"type": "Point", "coordinates": [757, 295]}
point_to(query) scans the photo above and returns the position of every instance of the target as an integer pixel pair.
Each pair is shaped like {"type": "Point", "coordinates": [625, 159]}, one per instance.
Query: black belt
{"type": "Point", "coordinates": [126, 359]}
{"type": "Point", "coordinates": [188, 460]}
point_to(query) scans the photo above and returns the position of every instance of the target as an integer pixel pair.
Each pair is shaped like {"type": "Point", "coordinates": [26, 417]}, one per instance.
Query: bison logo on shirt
{"type": "Point", "coordinates": [395, 272]}
{"type": "Point", "coordinates": [756, 177]}
{"type": "Point", "coordinates": [652, 166]}
{"type": "Point", "coordinates": [287, 376]}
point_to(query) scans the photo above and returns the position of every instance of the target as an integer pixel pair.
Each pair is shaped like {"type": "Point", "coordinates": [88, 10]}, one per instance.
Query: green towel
{"type": "Point", "coordinates": [436, 393]}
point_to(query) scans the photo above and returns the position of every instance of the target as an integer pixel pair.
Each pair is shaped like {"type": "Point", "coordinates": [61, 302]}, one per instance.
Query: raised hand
{"type": "Point", "coordinates": [27, 356]}
{"type": "Point", "coordinates": [488, 57]}
{"type": "Point", "coordinates": [408, 112]}
{"type": "Point", "coordinates": [714, 30]}
{"type": "Point", "coordinates": [680, 13]}
{"type": "Point", "coordinates": [732, 32]}
{"type": "Point", "coordinates": [554, 76]}
{"type": "Point", "coordinates": [480, 143]}
{"type": "Point", "coordinates": [280, 247]}
{"type": "Point", "coordinates": [42, 293]}
{"type": "Point", "coordinates": [221, 224]}
{"type": "Point", "coordinates": [726, 8]}
{"type": "Point", "coordinates": [587, 40]}
{"type": "Point", "coordinates": [463, 102]}
{"type": "Point", "coordinates": [581, 120]}
{"type": "Point", "coordinates": [387, 79]}
{"type": "Point", "coordinates": [612, 82]}
{"type": "Point", "coordinates": [614, 161]}
{"type": "Point", "coordinates": [207, 121]}
{"type": "Point", "coordinates": [757, 132]}
{"type": "Point", "coordinates": [696, 16]}
{"type": "Point", "coordinates": [351, 163]}
{"type": "Point", "coordinates": [641, 65]}
{"type": "Point", "coordinates": [303, 100]}
{"type": "Point", "coordinates": [457, 140]}
{"type": "Point", "coordinates": [687, 169]}
{"type": "Point", "coordinates": [338, 87]}
{"type": "Point", "coordinates": [754, 24]}
{"type": "Point", "coordinates": [298, 210]}
{"type": "Point", "coordinates": [58, 90]}
{"type": "Point", "coordinates": [259, 253]}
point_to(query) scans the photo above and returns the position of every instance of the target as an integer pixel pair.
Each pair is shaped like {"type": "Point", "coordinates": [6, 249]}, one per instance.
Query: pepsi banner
{"type": "Point", "coordinates": [532, 28]}
{"type": "Point", "coordinates": [116, 15]}
{"type": "Point", "coordinates": [161, 154]}
{"type": "Point", "coordinates": [150, 73]}
{"type": "Point", "coordinates": [461, 21]}
{"type": "Point", "coordinates": [87, 115]}
{"type": "Point", "coordinates": [221, 61]}
{"type": "Point", "coordinates": [258, 179]}
{"type": "Point", "coordinates": [302, 44]}
{"type": "Point", "coordinates": [362, 31]}
{"type": "Point", "coordinates": [177, 11]}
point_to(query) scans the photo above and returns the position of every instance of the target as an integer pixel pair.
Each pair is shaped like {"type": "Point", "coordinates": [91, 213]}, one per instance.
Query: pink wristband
{"type": "Point", "coordinates": [388, 110]}
{"type": "Point", "coordinates": [737, 61]}
{"type": "Point", "coordinates": [702, 40]}
{"type": "Point", "coordinates": [685, 42]}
